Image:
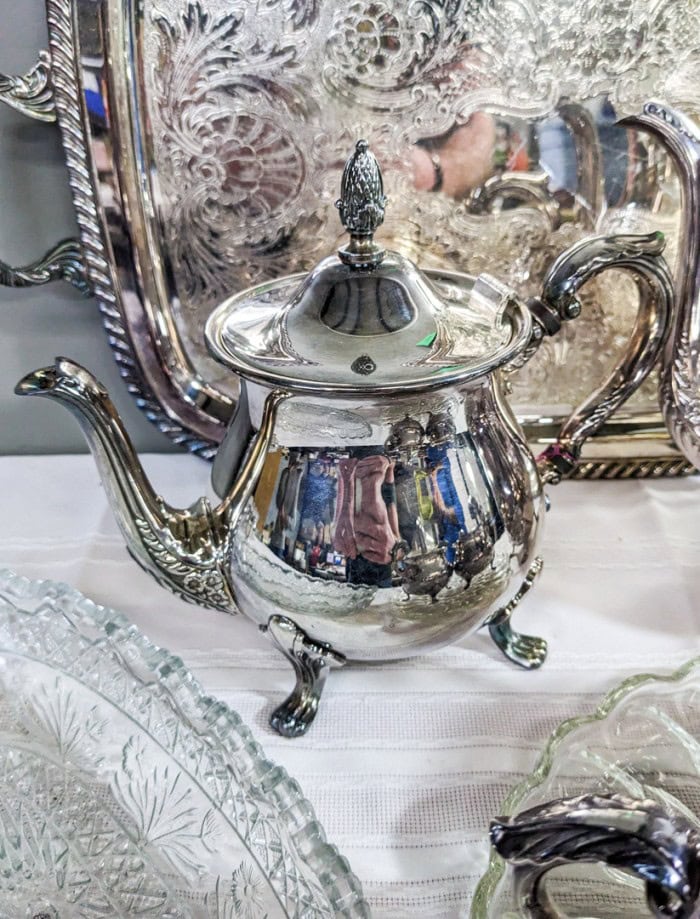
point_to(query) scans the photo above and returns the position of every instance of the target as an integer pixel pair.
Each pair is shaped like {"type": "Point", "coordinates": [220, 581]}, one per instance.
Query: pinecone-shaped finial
{"type": "Point", "coordinates": [361, 205]}
{"type": "Point", "coordinates": [362, 200]}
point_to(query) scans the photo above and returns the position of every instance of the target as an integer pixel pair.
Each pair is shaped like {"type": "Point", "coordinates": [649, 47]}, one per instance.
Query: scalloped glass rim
{"type": "Point", "coordinates": [486, 888]}
{"type": "Point", "coordinates": [297, 819]}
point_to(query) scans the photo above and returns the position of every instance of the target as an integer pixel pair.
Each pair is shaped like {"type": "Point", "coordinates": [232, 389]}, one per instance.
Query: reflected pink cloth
{"type": "Point", "coordinates": [376, 523]}
{"type": "Point", "coordinates": [344, 530]}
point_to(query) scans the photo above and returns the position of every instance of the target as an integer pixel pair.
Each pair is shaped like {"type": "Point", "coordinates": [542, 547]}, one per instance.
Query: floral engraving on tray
{"type": "Point", "coordinates": [236, 176]}
{"type": "Point", "coordinates": [389, 56]}
{"type": "Point", "coordinates": [254, 109]}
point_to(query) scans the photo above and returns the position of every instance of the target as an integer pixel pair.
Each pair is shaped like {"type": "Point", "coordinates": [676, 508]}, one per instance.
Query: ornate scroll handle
{"type": "Point", "coordinates": [31, 93]}
{"type": "Point", "coordinates": [680, 375]}
{"type": "Point", "coordinates": [62, 263]}
{"type": "Point", "coordinates": [635, 836]}
{"type": "Point", "coordinates": [641, 256]}
{"type": "Point", "coordinates": [530, 188]}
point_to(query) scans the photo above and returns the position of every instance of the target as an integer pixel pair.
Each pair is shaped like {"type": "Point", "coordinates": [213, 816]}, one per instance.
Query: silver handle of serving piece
{"type": "Point", "coordinates": [64, 262]}
{"type": "Point", "coordinates": [534, 189]}
{"type": "Point", "coordinates": [642, 257]}
{"type": "Point", "coordinates": [32, 95]}
{"type": "Point", "coordinates": [638, 837]}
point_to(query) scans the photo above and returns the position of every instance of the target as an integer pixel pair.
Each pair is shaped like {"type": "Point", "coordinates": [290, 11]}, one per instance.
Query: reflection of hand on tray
{"type": "Point", "coordinates": [461, 163]}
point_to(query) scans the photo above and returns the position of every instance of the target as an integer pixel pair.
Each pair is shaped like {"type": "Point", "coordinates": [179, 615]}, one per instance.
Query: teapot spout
{"type": "Point", "coordinates": [185, 550]}
{"type": "Point", "coordinates": [680, 392]}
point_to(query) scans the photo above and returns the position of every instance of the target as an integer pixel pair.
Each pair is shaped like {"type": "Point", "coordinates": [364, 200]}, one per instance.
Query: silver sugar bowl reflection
{"type": "Point", "coordinates": [378, 498]}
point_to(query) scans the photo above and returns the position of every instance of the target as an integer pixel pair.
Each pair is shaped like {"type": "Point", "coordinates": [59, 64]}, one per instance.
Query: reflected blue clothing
{"type": "Point", "coordinates": [451, 528]}
{"type": "Point", "coordinates": [318, 499]}
{"type": "Point", "coordinates": [95, 104]}
{"type": "Point", "coordinates": [558, 155]}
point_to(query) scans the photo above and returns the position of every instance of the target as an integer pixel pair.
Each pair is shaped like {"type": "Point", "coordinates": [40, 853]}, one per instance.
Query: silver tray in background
{"type": "Point", "coordinates": [205, 140]}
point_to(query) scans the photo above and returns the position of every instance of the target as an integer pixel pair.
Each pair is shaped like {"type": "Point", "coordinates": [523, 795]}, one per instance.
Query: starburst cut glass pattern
{"type": "Point", "coordinates": [125, 791]}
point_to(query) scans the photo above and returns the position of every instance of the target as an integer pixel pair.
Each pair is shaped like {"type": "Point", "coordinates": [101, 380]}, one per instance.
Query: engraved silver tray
{"type": "Point", "coordinates": [205, 140]}
{"type": "Point", "coordinates": [128, 792]}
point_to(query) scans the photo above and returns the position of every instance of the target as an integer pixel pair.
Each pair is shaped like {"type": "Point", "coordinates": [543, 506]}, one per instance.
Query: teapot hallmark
{"type": "Point", "coordinates": [378, 498]}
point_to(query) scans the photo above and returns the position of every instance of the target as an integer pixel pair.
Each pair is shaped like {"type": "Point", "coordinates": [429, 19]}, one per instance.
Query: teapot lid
{"type": "Point", "coordinates": [367, 320]}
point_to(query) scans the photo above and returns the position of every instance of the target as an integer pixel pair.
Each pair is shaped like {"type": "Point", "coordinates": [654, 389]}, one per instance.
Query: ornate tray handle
{"type": "Point", "coordinates": [62, 263]}
{"type": "Point", "coordinates": [638, 837]}
{"type": "Point", "coordinates": [680, 380]}
{"type": "Point", "coordinates": [31, 93]}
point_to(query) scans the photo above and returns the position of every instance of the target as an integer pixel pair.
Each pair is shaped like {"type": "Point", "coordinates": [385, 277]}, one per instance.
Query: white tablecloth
{"type": "Point", "coordinates": [405, 763]}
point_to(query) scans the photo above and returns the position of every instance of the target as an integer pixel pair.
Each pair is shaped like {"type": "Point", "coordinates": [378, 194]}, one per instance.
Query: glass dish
{"type": "Point", "coordinates": [125, 791]}
{"type": "Point", "coordinates": [643, 742]}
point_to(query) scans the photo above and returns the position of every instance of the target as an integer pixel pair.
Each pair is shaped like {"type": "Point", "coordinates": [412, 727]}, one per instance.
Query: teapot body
{"type": "Point", "coordinates": [387, 527]}
{"type": "Point", "coordinates": [378, 498]}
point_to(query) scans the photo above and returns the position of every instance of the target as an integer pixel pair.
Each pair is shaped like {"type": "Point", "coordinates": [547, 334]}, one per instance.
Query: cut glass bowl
{"type": "Point", "coordinates": [125, 791]}
{"type": "Point", "coordinates": [643, 742]}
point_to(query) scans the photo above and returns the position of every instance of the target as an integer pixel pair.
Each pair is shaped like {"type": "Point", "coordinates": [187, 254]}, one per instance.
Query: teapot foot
{"type": "Point", "coordinates": [526, 651]}
{"type": "Point", "coordinates": [311, 661]}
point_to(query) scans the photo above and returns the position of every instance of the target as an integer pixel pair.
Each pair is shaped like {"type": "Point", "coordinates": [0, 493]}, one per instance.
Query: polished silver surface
{"type": "Point", "coordinates": [381, 547]}
{"type": "Point", "coordinates": [400, 328]}
{"type": "Point", "coordinates": [230, 182]}
{"type": "Point", "coordinates": [64, 262]}
{"type": "Point", "coordinates": [370, 519]}
{"type": "Point", "coordinates": [31, 93]}
{"type": "Point", "coordinates": [680, 375]}
{"type": "Point", "coordinates": [311, 662]}
{"type": "Point", "coordinates": [638, 837]}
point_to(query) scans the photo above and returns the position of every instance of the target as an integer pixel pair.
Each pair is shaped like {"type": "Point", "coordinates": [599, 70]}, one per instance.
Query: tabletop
{"type": "Point", "coordinates": [406, 762]}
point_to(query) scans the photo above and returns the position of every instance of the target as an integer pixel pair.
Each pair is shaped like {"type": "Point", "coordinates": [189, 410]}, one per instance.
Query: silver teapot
{"type": "Point", "coordinates": [378, 498]}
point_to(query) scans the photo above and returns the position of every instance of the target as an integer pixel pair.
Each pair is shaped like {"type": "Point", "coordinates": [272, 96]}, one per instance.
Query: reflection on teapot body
{"type": "Point", "coordinates": [378, 498]}
{"type": "Point", "coordinates": [384, 545]}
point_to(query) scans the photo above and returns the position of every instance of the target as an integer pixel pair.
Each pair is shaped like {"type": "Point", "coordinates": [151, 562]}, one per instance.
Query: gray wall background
{"type": "Point", "coordinates": [39, 323]}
